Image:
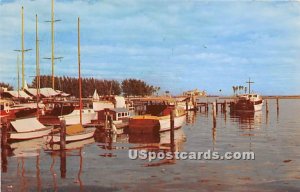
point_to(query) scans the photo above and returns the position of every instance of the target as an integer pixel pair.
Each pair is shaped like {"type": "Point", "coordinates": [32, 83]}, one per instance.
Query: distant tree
{"type": "Point", "coordinates": [245, 88]}
{"type": "Point", "coordinates": [71, 85]}
{"type": "Point", "coordinates": [6, 85]}
{"type": "Point", "coordinates": [136, 87]}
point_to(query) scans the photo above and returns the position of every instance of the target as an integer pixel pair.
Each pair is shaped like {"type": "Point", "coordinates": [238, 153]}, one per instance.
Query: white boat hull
{"type": "Point", "coordinates": [87, 133]}
{"type": "Point", "coordinates": [165, 124]}
{"type": "Point", "coordinates": [30, 134]}
{"type": "Point", "coordinates": [74, 118]}
{"type": "Point", "coordinates": [258, 107]}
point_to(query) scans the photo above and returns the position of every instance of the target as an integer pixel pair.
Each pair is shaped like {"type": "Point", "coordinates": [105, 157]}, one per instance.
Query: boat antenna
{"type": "Point", "coordinates": [249, 85]}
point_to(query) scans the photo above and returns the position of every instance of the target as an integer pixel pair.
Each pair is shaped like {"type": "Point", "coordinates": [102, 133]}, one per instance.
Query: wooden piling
{"type": "Point", "coordinates": [106, 118]}
{"type": "Point", "coordinates": [277, 102]}
{"type": "Point", "coordinates": [4, 131]}
{"type": "Point", "coordinates": [214, 108]}
{"type": "Point", "coordinates": [63, 160]}
{"type": "Point", "coordinates": [225, 106]}
{"type": "Point", "coordinates": [206, 108]}
{"type": "Point", "coordinates": [172, 129]}
{"type": "Point", "coordinates": [267, 107]}
{"type": "Point", "coordinates": [62, 134]}
{"type": "Point", "coordinates": [63, 164]}
{"type": "Point", "coordinates": [186, 105]}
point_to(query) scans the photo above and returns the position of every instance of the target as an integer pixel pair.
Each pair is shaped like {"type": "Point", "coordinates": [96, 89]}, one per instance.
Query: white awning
{"type": "Point", "coordinates": [25, 125]}
{"type": "Point", "coordinates": [20, 94]}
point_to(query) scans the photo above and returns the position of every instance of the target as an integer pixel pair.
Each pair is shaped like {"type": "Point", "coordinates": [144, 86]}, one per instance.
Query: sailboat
{"type": "Point", "coordinates": [74, 132]}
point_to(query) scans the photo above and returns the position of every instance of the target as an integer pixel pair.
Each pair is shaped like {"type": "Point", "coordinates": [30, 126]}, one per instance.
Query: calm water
{"type": "Point", "coordinates": [102, 164]}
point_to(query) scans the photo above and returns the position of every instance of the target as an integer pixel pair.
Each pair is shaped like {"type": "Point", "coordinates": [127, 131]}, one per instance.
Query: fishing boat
{"type": "Point", "coordinates": [28, 128]}
{"type": "Point", "coordinates": [250, 102]}
{"type": "Point", "coordinates": [157, 116]}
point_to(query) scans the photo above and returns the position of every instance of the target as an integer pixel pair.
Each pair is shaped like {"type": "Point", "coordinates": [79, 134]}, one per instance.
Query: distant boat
{"type": "Point", "coordinates": [247, 103]}
{"type": "Point", "coordinates": [250, 102]}
{"type": "Point", "coordinates": [73, 133]}
{"type": "Point", "coordinates": [157, 117]}
{"type": "Point", "coordinates": [28, 128]}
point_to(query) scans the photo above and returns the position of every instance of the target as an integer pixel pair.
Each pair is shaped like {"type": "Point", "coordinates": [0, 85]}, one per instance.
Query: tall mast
{"type": "Point", "coordinates": [23, 68]}
{"type": "Point", "coordinates": [249, 85]}
{"type": "Point", "coordinates": [52, 21]}
{"type": "Point", "coordinates": [52, 42]}
{"type": "Point", "coordinates": [22, 49]}
{"type": "Point", "coordinates": [79, 74]}
{"type": "Point", "coordinates": [18, 74]}
{"type": "Point", "coordinates": [37, 77]}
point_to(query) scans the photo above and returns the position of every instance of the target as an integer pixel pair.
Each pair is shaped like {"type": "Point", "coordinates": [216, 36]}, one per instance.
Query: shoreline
{"type": "Point", "coordinates": [265, 97]}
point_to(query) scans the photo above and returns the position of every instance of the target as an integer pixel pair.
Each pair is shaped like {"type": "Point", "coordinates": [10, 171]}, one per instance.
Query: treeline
{"type": "Point", "coordinates": [128, 87]}
{"type": "Point", "coordinates": [6, 85]}
{"type": "Point", "coordinates": [133, 87]}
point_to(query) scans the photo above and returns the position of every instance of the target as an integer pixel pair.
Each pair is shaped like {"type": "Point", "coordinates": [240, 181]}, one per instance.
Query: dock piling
{"type": "Point", "coordinates": [63, 160]}
{"type": "Point", "coordinates": [4, 130]}
{"type": "Point", "coordinates": [214, 108]}
{"type": "Point", "coordinates": [277, 102]}
{"type": "Point", "coordinates": [172, 130]}
{"type": "Point", "coordinates": [267, 107]}
{"type": "Point", "coordinates": [62, 134]}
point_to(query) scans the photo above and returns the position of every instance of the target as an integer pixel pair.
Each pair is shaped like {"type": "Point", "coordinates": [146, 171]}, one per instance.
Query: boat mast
{"type": "Point", "coordinates": [52, 42]}
{"type": "Point", "coordinates": [22, 49]}
{"type": "Point", "coordinates": [249, 85]}
{"type": "Point", "coordinates": [23, 70]}
{"type": "Point", "coordinates": [79, 74]}
{"type": "Point", "coordinates": [18, 74]}
{"type": "Point", "coordinates": [37, 78]}
{"type": "Point", "coordinates": [52, 21]}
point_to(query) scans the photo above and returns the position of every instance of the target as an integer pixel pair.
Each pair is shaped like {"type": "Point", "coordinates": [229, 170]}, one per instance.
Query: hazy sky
{"type": "Point", "coordinates": [175, 44]}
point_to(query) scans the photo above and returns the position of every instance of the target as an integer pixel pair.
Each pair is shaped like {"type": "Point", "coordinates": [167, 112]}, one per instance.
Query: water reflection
{"type": "Point", "coordinates": [250, 120]}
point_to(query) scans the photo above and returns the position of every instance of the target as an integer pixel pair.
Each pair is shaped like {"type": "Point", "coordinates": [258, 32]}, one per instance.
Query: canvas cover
{"type": "Point", "coordinates": [26, 125]}
{"type": "Point", "coordinates": [74, 129]}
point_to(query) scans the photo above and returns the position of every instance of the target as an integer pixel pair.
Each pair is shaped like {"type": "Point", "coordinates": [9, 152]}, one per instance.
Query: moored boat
{"type": "Point", "coordinates": [250, 102]}
{"type": "Point", "coordinates": [157, 117]}
{"type": "Point", "coordinates": [247, 103]}
{"type": "Point", "coordinates": [73, 118]}
{"type": "Point", "coordinates": [28, 128]}
{"type": "Point", "coordinates": [73, 133]}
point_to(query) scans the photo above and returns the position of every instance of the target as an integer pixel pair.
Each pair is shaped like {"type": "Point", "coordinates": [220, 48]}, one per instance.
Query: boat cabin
{"type": "Point", "coordinates": [117, 114]}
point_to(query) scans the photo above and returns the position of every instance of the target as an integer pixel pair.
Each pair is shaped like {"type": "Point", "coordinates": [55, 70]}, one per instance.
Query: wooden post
{"type": "Point", "coordinates": [277, 102]}
{"type": "Point", "coordinates": [186, 105]}
{"type": "Point", "coordinates": [216, 106]}
{"type": "Point", "coordinates": [106, 118]}
{"type": "Point", "coordinates": [63, 164]}
{"type": "Point", "coordinates": [63, 160]}
{"type": "Point", "coordinates": [62, 134]}
{"type": "Point", "coordinates": [225, 106]}
{"type": "Point", "coordinates": [214, 114]}
{"type": "Point", "coordinates": [267, 107]}
{"type": "Point", "coordinates": [172, 131]}
{"type": "Point", "coordinates": [4, 145]}
{"type": "Point", "coordinates": [206, 107]}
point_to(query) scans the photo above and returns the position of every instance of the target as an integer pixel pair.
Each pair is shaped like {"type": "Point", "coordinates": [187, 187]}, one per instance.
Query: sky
{"type": "Point", "coordinates": [177, 45]}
